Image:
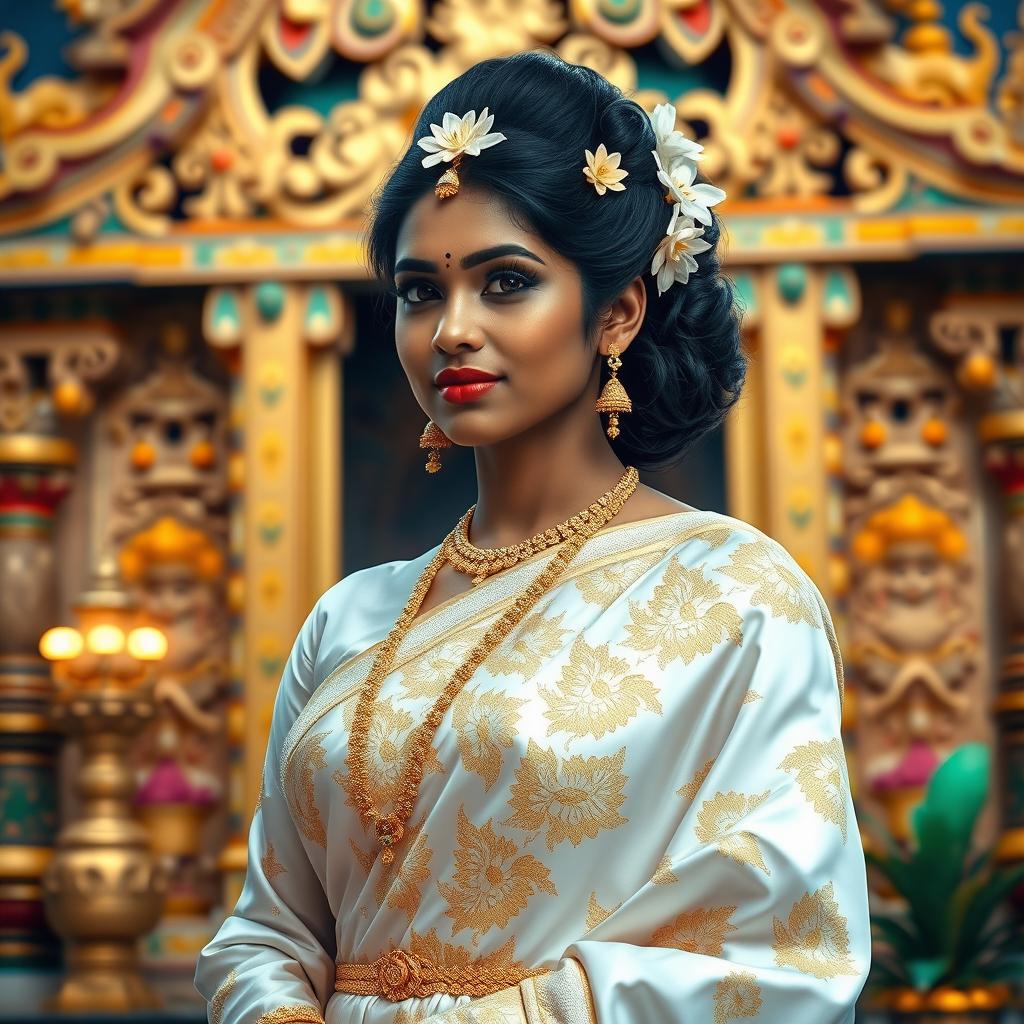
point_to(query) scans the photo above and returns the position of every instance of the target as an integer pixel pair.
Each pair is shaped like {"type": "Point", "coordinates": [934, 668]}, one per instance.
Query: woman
{"type": "Point", "coordinates": [597, 775]}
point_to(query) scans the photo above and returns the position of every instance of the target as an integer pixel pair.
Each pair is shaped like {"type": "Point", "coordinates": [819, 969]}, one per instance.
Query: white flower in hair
{"type": "Point", "coordinates": [457, 135]}
{"type": "Point", "coordinates": [696, 200]}
{"type": "Point", "coordinates": [673, 145]}
{"type": "Point", "coordinates": [673, 259]}
{"type": "Point", "coordinates": [602, 170]}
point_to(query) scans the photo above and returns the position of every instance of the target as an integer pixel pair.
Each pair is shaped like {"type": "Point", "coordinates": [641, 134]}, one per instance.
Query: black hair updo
{"type": "Point", "coordinates": [685, 368]}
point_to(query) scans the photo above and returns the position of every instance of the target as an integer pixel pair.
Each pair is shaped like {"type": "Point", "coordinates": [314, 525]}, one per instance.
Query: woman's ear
{"type": "Point", "coordinates": [622, 320]}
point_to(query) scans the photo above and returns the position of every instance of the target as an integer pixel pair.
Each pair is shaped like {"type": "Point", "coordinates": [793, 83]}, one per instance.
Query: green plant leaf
{"type": "Point", "coordinates": [979, 910]}
{"type": "Point", "coordinates": [926, 974]}
{"type": "Point", "coordinates": [905, 943]}
{"type": "Point", "coordinates": [925, 902]}
{"type": "Point", "coordinates": [943, 824]}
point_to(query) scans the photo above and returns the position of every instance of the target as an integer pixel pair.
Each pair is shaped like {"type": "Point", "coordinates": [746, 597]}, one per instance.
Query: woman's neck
{"type": "Point", "coordinates": [540, 478]}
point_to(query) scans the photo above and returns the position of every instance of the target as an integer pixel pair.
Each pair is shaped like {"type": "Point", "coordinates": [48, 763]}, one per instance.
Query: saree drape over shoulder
{"type": "Point", "coordinates": [636, 811]}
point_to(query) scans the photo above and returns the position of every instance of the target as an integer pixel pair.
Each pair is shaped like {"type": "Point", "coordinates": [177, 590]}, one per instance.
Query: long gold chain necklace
{"type": "Point", "coordinates": [479, 563]}
{"type": "Point", "coordinates": [390, 828]}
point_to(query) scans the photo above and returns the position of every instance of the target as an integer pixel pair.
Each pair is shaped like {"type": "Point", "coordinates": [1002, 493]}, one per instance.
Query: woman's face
{"type": "Point", "coordinates": [475, 290]}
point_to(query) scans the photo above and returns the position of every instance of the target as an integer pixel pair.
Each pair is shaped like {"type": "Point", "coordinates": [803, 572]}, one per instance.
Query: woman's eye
{"type": "Point", "coordinates": [415, 291]}
{"type": "Point", "coordinates": [507, 283]}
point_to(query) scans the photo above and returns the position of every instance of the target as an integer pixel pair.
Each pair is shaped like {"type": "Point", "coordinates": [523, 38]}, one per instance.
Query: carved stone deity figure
{"type": "Point", "coordinates": [177, 573]}
{"type": "Point", "coordinates": [912, 645]}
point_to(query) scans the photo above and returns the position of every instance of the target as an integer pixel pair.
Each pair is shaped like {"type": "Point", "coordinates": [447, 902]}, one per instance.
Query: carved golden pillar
{"type": "Point", "coordinates": [44, 370]}
{"type": "Point", "coordinates": [1003, 435]}
{"type": "Point", "coordinates": [282, 343]}
{"type": "Point", "coordinates": [802, 313]}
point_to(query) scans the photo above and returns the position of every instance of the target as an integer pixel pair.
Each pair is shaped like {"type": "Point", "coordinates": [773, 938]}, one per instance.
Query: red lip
{"type": "Point", "coordinates": [463, 375]}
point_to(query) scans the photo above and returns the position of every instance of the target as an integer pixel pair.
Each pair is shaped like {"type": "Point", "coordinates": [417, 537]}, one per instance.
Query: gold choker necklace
{"type": "Point", "coordinates": [390, 829]}
{"type": "Point", "coordinates": [467, 558]}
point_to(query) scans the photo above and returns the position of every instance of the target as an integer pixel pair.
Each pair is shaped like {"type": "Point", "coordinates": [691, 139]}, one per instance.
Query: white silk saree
{"type": "Point", "coordinates": [636, 811]}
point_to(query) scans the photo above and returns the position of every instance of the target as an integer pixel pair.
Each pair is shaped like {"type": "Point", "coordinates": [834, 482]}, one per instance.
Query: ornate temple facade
{"type": "Point", "coordinates": [188, 340]}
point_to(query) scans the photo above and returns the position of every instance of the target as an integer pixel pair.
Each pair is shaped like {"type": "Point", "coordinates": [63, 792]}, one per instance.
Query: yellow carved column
{"type": "Point", "coordinates": [282, 343]}
{"type": "Point", "coordinates": [792, 333]}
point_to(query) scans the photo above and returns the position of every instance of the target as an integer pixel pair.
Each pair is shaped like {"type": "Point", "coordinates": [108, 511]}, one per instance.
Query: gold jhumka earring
{"type": "Point", "coordinates": [434, 437]}
{"type": "Point", "coordinates": [613, 398]}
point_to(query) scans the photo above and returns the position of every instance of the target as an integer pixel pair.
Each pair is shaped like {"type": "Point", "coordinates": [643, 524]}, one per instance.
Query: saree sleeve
{"type": "Point", "coordinates": [758, 906]}
{"type": "Point", "coordinates": [273, 958]}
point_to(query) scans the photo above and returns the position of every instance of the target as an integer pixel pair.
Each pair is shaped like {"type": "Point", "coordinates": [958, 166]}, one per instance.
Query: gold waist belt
{"type": "Point", "coordinates": [400, 975]}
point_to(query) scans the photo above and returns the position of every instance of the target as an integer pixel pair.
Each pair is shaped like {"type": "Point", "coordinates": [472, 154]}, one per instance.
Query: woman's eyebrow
{"type": "Point", "coordinates": [468, 262]}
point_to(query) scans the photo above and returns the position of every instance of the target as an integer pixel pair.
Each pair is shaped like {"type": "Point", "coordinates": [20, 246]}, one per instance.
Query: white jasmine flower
{"type": "Point", "coordinates": [673, 145]}
{"type": "Point", "coordinates": [602, 170]}
{"type": "Point", "coordinates": [458, 135]}
{"type": "Point", "coordinates": [696, 200]}
{"type": "Point", "coordinates": [673, 259]}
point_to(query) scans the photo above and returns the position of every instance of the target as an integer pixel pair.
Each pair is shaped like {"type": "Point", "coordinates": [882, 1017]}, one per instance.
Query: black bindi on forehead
{"type": "Point", "coordinates": [447, 258]}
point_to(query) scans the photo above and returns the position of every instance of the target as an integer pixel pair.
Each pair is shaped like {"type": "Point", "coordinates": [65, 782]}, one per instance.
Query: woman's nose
{"type": "Point", "coordinates": [457, 327]}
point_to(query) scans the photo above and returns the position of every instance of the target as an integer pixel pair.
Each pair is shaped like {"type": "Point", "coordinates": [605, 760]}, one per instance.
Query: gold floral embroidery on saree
{"type": "Point", "coordinates": [399, 885]}
{"type": "Point", "coordinates": [683, 619]}
{"type": "Point", "coordinates": [701, 930]}
{"type": "Point", "coordinates": [596, 913]}
{"type": "Point", "coordinates": [776, 586]}
{"type": "Point", "coordinates": [820, 770]}
{"type": "Point", "coordinates": [596, 693]}
{"type": "Point", "coordinates": [299, 792]}
{"type": "Point", "coordinates": [425, 677]}
{"type": "Point", "coordinates": [487, 724]}
{"type": "Point", "coordinates": [720, 815]}
{"type": "Point", "coordinates": [302, 1013]}
{"type": "Point", "coordinates": [272, 867]}
{"type": "Point", "coordinates": [815, 939]}
{"type": "Point", "coordinates": [572, 799]}
{"type": "Point", "coordinates": [737, 995]}
{"type": "Point", "coordinates": [493, 881]}
{"type": "Point", "coordinates": [602, 586]}
{"type": "Point", "coordinates": [663, 873]}
{"type": "Point", "coordinates": [388, 740]}
{"type": "Point", "coordinates": [692, 788]}
{"type": "Point", "coordinates": [530, 647]}
{"type": "Point", "coordinates": [457, 960]}
{"type": "Point", "coordinates": [220, 997]}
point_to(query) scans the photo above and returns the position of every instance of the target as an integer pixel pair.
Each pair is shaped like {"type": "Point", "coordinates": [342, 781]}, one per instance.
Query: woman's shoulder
{"type": "Point", "coordinates": [747, 562]}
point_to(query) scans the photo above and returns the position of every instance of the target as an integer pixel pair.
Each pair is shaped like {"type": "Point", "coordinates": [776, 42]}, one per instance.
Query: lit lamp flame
{"type": "Point", "coordinates": [147, 644]}
{"type": "Point", "coordinates": [62, 643]}
{"type": "Point", "coordinates": [105, 640]}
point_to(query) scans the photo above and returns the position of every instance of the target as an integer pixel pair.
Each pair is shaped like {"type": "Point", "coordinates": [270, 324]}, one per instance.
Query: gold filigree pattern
{"type": "Point", "coordinates": [596, 693]}
{"type": "Point", "coordinates": [530, 647]}
{"type": "Point", "coordinates": [776, 586]}
{"type": "Point", "coordinates": [404, 890]}
{"type": "Point", "coordinates": [301, 1013]}
{"type": "Point", "coordinates": [820, 770]}
{"type": "Point", "coordinates": [456, 960]}
{"type": "Point", "coordinates": [663, 873]}
{"type": "Point", "coordinates": [399, 883]}
{"type": "Point", "coordinates": [596, 913]}
{"type": "Point", "coordinates": [701, 930]}
{"type": "Point", "coordinates": [692, 788]}
{"type": "Point", "coordinates": [486, 724]}
{"type": "Point", "coordinates": [425, 677]}
{"type": "Point", "coordinates": [308, 756]}
{"type": "Point", "coordinates": [388, 740]}
{"type": "Point", "coordinates": [220, 997]}
{"type": "Point", "coordinates": [602, 586]}
{"type": "Point", "coordinates": [493, 881]}
{"type": "Point", "coordinates": [719, 816]}
{"type": "Point", "coordinates": [751, 697]}
{"type": "Point", "coordinates": [683, 619]}
{"type": "Point", "coordinates": [574, 799]}
{"type": "Point", "coordinates": [272, 867]}
{"type": "Point", "coordinates": [815, 939]}
{"type": "Point", "coordinates": [737, 995]}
